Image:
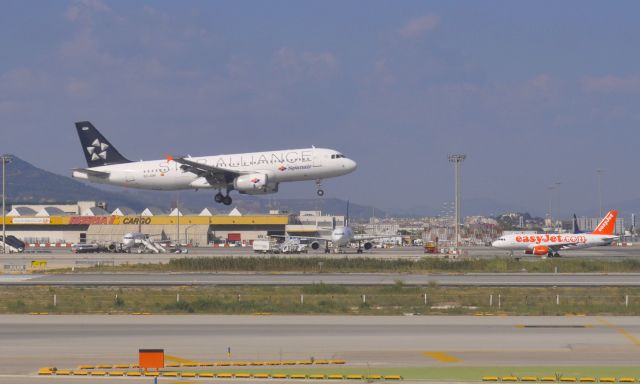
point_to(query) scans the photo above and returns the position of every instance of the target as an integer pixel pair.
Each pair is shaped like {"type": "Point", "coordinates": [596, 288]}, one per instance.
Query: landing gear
{"type": "Point", "coordinates": [224, 199]}
{"type": "Point", "coordinates": [319, 191]}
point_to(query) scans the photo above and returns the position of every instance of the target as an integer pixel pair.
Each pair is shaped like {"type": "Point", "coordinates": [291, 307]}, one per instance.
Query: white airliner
{"type": "Point", "coordinates": [248, 173]}
{"type": "Point", "coordinates": [341, 237]}
{"type": "Point", "coordinates": [549, 244]}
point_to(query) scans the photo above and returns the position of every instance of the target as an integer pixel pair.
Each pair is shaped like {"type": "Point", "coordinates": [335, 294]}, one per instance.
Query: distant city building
{"type": "Point", "coordinates": [588, 224]}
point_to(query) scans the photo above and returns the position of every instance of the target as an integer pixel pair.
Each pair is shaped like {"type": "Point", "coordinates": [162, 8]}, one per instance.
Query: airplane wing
{"type": "Point", "coordinates": [213, 174]}
{"type": "Point", "coordinates": [371, 237]}
{"type": "Point", "coordinates": [91, 172]}
{"type": "Point", "coordinates": [302, 237]}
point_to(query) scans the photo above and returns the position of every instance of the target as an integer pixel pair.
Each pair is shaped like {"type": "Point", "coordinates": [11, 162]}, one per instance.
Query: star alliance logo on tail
{"type": "Point", "coordinates": [98, 150]}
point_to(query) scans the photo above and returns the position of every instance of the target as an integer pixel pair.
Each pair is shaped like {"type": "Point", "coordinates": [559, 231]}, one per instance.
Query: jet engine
{"type": "Point", "coordinates": [254, 183]}
{"type": "Point", "coordinates": [368, 245]}
{"type": "Point", "coordinates": [315, 245]}
{"type": "Point", "coordinates": [538, 250]}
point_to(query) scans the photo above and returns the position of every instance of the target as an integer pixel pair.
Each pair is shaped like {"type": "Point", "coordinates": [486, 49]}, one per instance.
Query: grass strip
{"type": "Point", "coordinates": [322, 299]}
{"type": "Point", "coordinates": [372, 264]}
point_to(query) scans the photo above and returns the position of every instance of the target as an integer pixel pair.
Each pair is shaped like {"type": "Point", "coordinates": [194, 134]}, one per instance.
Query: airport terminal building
{"type": "Point", "coordinates": [64, 224]}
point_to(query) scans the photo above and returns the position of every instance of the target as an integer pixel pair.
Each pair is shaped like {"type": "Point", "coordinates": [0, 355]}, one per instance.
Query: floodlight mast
{"type": "Point", "coordinates": [457, 160]}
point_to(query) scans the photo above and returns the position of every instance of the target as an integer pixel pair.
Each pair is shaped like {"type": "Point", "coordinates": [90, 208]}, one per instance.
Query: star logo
{"type": "Point", "coordinates": [255, 180]}
{"type": "Point", "coordinates": [97, 150]}
{"type": "Point", "coordinates": [282, 168]}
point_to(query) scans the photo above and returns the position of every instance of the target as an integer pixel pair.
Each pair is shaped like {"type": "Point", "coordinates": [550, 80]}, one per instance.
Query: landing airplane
{"type": "Point", "coordinates": [254, 173]}
{"type": "Point", "coordinates": [550, 244]}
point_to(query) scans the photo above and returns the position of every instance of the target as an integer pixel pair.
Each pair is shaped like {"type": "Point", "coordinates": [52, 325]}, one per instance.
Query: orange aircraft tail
{"type": "Point", "coordinates": [607, 225]}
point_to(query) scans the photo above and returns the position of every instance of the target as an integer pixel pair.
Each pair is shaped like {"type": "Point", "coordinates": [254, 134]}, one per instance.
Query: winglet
{"type": "Point", "coordinates": [607, 225]}
{"type": "Point", "coordinates": [168, 157]}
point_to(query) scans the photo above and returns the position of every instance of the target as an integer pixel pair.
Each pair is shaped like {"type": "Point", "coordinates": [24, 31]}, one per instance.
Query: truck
{"type": "Point", "coordinates": [265, 246]}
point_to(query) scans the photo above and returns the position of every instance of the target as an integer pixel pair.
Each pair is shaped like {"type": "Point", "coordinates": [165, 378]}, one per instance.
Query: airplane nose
{"type": "Point", "coordinates": [351, 165]}
{"type": "Point", "coordinates": [495, 244]}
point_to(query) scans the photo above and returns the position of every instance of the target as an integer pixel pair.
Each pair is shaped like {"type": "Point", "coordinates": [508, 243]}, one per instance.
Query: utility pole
{"type": "Point", "coordinates": [6, 159]}
{"type": "Point", "coordinates": [178, 219]}
{"type": "Point", "coordinates": [457, 159]}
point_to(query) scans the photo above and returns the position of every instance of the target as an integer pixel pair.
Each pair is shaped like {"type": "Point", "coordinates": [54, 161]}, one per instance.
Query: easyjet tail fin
{"type": "Point", "coordinates": [607, 225]}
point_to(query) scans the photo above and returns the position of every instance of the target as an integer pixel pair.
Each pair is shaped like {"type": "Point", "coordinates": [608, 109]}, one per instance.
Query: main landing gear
{"type": "Point", "coordinates": [319, 190]}
{"type": "Point", "coordinates": [224, 199]}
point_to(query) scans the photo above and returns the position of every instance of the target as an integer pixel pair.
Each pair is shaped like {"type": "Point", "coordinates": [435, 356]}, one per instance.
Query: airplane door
{"type": "Point", "coordinates": [317, 162]}
{"type": "Point", "coordinates": [130, 177]}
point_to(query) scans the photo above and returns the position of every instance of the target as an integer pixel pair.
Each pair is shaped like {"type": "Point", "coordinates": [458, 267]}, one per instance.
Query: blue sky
{"type": "Point", "coordinates": [533, 92]}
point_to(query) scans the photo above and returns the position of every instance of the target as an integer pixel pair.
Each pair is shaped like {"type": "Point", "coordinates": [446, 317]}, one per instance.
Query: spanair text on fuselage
{"type": "Point", "coordinates": [280, 166]}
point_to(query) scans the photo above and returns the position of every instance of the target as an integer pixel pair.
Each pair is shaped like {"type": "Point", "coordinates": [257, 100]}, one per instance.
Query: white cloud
{"type": "Point", "coordinates": [83, 10]}
{"type": "Point", "coordinates": [612, 83]}
{"type": "Point", "coordinates": [419, 26]}
{"type": "Point", "coordinates": [313, 64]}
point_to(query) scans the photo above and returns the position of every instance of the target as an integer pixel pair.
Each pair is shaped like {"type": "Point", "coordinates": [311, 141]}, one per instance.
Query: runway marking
{"type": "Point", "coordinates": [634, 340]}
{"type": "Point", "coordinates": [553, 326]}
{"type": "Point", "coordinates": [442, 357]}
{"type": "Point", "coordinates": [177, 359]}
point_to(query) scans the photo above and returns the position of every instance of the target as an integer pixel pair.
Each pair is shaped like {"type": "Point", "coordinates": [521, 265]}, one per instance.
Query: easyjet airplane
{"type": "Point", "coordinates": [549, 244]}
{"type": "Point", "coordinates": [248, 173]}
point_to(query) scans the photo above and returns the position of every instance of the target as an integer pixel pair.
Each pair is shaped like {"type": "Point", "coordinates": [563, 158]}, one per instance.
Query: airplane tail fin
{"type": "Point", "coordinates": [97, 149]}
{"type": "Point", "coordinates": [576, 228]}
{"type": "Point", "coordinates": [607, 225]}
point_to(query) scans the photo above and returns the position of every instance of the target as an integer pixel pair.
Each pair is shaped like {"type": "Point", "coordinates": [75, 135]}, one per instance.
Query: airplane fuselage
{"type": "Point", "coordinates": [529, 242]}
{"type": "Point", "coordinates": [279, 166]}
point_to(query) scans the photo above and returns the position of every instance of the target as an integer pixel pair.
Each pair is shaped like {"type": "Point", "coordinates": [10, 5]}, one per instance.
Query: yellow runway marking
{"type": "Point", "coordinates": [179, 359]}
{"type": "Point", "coordinates": [634, 340]}
{"type": "Point", "coordinates": [442, 357]}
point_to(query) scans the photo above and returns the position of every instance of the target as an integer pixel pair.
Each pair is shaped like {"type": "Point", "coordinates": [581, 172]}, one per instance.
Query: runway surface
{"type": "Point", "coordinates": [31, 342]}
{"type": "Point", "coordinates": [203, 279]}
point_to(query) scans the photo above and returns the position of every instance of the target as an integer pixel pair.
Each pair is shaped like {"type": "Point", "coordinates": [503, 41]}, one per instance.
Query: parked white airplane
{"type": "Point", "coordinates": [550, 243]}
{"type": "Point", "coordinates": [140, 242]}
{"type": "Point", "coordinates": [248, 173]}
{"type": "Point", "coordinates": [341, 237]}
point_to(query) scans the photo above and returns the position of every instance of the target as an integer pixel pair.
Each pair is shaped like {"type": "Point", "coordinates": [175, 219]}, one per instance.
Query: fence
{"type": "Point", "coordinates": [86, 301]}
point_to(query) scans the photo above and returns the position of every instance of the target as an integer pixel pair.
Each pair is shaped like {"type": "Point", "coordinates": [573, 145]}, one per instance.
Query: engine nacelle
{"type": "Point", "coordinates": [368, 245]}
{"type": "Point", "coordinates": [252, 182]}
{"type": "Point", "coordinates": [538, 250]}
{"type": "Point", "coordinates": [315, 245]}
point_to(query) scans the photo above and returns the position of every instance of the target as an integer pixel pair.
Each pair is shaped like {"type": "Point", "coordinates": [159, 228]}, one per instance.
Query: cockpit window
{"type": "Point", "coordinates": [338, 156]}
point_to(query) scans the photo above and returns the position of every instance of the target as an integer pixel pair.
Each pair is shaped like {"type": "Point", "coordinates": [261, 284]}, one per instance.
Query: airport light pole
{"type": "Point", "coordinates": [457, 160]}
{"type": "Point", "coordinates": [556, 196]}
{"type": "Point", "coordinates": [550, 201]}
{"type": "Point", "coordinates": [599, 173]}
{"type": "Point", "coordinates": [6, 159]}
